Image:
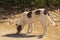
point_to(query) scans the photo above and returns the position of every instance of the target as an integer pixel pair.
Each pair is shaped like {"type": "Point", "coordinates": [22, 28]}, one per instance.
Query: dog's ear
{"type": "Point", "coordinates": [45, 12]}
{"type": "Point", "coordinates": [29, 15]}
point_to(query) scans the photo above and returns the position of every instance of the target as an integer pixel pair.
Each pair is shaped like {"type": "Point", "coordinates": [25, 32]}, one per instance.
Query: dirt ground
{"type": "Point", "coordinates": [7, 32]}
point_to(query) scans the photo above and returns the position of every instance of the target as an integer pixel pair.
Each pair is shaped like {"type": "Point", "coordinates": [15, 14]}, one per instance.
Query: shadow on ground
{"type": "Point", "coordinates": [21, 36]}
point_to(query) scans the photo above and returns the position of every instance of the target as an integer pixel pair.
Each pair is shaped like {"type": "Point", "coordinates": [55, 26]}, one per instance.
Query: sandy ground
{"type": "Point", "coordinates": [7, 32]}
